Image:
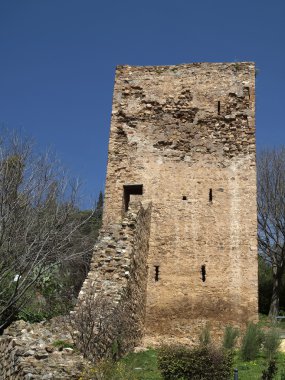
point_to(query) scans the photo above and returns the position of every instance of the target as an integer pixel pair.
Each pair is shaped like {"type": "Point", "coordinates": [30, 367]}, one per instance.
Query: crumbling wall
{"type": "Point", "coordinates": [118, 276]}
{"type": "Point", "coordinates": [116, 284]}
{"type": "Point", "coordinates": [186, 134]}
{"type": "Point", "coordinates": [28, 351]}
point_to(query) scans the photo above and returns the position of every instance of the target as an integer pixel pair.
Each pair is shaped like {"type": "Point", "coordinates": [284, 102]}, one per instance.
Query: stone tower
{"type": "Point", "coordinates": [183, 138]}
{"type": "Point", "coordinates": [178, 247]}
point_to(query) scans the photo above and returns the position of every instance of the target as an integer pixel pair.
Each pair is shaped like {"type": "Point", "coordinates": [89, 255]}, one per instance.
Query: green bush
{"type": "Point", "coordinates": [48, 297]}
{"type": "Point", "coordinates": [203, 362]}
{"type": "Point", "coordinates": [270, 372]}
{"type": "Point", "coordinates": [230, 337]}
{"type": "Point", "coordinates": [271, 343]}
{"type": "Point", "coordinates": [265, 285]}
{"type": "Point", "coordinates": [251, 342]}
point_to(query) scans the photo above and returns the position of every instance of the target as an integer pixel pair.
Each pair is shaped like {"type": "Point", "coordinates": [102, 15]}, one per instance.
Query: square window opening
{"type": "Point", "coordinates": [131, 190]}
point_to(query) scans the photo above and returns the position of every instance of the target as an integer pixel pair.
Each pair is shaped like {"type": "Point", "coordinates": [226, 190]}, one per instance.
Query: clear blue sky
{"type": "Point", "coordinates": [58, 59]}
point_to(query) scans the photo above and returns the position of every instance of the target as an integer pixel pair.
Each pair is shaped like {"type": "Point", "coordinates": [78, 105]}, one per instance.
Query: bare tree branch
{"type": "Point", "coordinates": [38, 223]}
{"type": "Point", "coordinates": [271, 216]}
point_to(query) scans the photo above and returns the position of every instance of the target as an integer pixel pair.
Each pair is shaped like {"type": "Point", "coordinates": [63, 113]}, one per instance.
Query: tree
{"type": "Point", "coordinates": [38, 223]}
{"type": "Point", "coordinates": [271, 217]}
{"type": "Point", "coordinates": [94, 223]}
{"type": "Point", "coordinates": [264, 286]}
{"type": "Point", "coordinates": [76, 269]}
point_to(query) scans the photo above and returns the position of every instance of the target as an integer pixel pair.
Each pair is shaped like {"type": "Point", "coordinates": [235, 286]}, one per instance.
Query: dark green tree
{"type": "Point", "coordinates": [264, 286]}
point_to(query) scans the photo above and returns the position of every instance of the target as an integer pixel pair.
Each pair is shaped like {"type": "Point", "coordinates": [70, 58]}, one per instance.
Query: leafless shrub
{"type": "Point", "coordinates": [90, 321]}
{"type": "Point", "coordinates": [38, 227]}
{"type": "Point", "coordinates": [100, 328]}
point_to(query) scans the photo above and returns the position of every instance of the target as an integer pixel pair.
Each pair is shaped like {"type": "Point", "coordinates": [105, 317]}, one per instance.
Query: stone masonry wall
{"type": "Point", "coordinates": [182, 140]}
{"type": "Point", "coordinates": [118, 274]}
{"type": "Point", "coordinates": [185, 136]}
{"type": "Point", "coordinates": [28, 351]}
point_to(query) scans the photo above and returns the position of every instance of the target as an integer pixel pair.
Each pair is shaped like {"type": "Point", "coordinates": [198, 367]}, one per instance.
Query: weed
{"type": "Point", "coordinates": [60, 344]}
{"type": "Point", "coordinates": [270, 372]}
{"type": "Point", "coordinates": [251, 342]}
{"type": "Point", "coordinates": [205, 336]}
{"type": "Point", "coordinates": [271, 343]}
{"type": "Point", "coordinates": [230, 336]}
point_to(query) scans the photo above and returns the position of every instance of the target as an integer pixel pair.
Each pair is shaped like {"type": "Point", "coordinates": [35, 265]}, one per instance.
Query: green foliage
{"type": "Point", "coordinates": [47, 297]}
{"type": "Point", "coordinates": [144, 364]}
{"type": "Point", "coordinates": [60, 344]}
{"type": "Point", "coordinates": [108, 370]}
{"type": "Point", "coordinates": [57, 286]}
{"type": "Point", "coordinates": [115, 349]}
{"type": "Point", "coordinates": [251, 342]}
{"type": "Point", "coordinates": [205, 336]}
{"type": "Point", "coordinates": [270, 372]}
{"type": "Point", "coordinates": [271, 343]}
{"type": "Point", "coordinates": [230, 337]}
{"type": "Point", "coordinates": [48, 283]}
{"type": "Point", "coordinates": [33, 315]}
{"type": "Point", "coordinates": [253, 370]}
{"type": "Point", "coordinates": [265, 284]}
{"type": "Point", "coordinates": [44, 249]}
{"type": "Point", "coordinates": [94, 223]}
{"type": "Point", "coordinates": [264, 321]}
{"type": "Point", "coordinates": [204, 362]}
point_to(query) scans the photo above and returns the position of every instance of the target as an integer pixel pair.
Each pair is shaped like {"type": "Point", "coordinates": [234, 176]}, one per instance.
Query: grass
{"type": "Point", "coordinates": [253, 370]}
{"type": "Point", "coordinates": [144, 365]}
{"type": "Point", "coordinates": [264, 321]}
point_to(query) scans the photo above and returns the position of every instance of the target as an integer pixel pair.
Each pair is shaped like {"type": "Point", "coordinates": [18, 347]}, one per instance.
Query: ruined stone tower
{"type": "Point", "coordinates": [178, 248]}
{"type": "Point", "coordinates": [183, 138]}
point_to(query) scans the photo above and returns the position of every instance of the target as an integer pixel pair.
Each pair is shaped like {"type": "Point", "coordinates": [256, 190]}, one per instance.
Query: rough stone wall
{"type": "Point", "coordinates": [187, 134]}
{"type": "Point", "coordinates": [27, 351]}
{"type": "Point", "coordinates": [119, 274]}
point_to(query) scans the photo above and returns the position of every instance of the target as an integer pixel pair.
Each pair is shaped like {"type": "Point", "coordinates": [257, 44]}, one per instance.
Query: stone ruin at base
{"type": "Point", "coordinates": [178, 248]}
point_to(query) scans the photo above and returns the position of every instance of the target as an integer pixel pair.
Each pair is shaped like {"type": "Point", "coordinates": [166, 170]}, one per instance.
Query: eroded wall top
{"type": "Point", "coordinates": [184, 112]}
{"type": "Point", "coordinates": [177, 119]}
